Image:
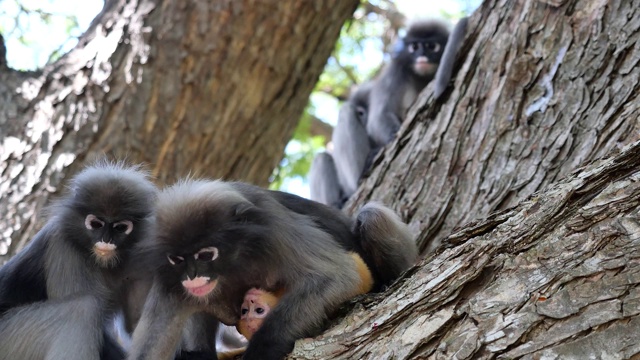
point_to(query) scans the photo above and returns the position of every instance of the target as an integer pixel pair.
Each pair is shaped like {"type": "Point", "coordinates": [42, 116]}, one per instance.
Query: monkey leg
{"type": "Point", "coordinates": [387, 241]}
{"type": "Point", "coordinates": [68, 328]}
{"type": "Point", "coordinates": [323, 181]}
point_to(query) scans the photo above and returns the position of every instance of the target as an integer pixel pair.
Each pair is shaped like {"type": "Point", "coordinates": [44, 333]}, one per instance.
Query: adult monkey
{"type": "Point", "coordinates": [217, 240]}
{"type": "Point", "coordinates": [57, 294]}
{"type": "Point", "coordinates": [370, 120]}
{"type": "Point", "coordinates": [333, 178]}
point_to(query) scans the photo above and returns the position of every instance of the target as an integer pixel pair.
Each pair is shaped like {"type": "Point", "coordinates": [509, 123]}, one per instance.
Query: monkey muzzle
{"type": "Point", "coordinates": [104, 250]}
{"type": "Point", "coordinates": [199, 286]}
{"type": "Point", "coordinates": [423, 67]}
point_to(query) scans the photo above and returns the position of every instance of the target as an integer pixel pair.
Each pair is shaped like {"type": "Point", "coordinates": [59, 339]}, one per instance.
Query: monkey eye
{"type": "Point", "coordinates": [207, 254]}
{"type": "Point", "coordinates": [123, 227]}
{"type": "Point", "coordinates": [361, 113]}
{"type": "Point", "coordinates": [260, 310]}
{"type": "Point", "coordinates": [432, 46]}
{"type": "Point", "coordinates": [413, 47]}
{"type": "Point", "coordinates": [92, 222]}
{"type": "Point", "coordinates": [244, 311]}
{"type": "Point", "coordinates": [174, 259]}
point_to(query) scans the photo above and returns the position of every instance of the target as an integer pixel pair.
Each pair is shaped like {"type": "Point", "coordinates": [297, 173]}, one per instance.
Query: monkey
{"type": "Point", "coordinates": [413, 65]}
{"type": "Point", "coordinates": [57, 294]}
{"type": "Point", "coordinates": [258, 303]}
{"type": "Point", "coordinates": [371, 118]}
{"type": "Point", "coordinates": [214, 241]}
{"type": "Point", "coordinates": [334, 178]}
{"type": "Point", "coordinates": [324, 186]}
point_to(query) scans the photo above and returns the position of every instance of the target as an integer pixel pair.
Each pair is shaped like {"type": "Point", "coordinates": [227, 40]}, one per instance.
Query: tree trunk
{"type": "Point", "coordinates": [208, 88]}
{"type": "Point", "coordinates": [554, 277]}
{"type": "Point", "coordinates": [542, 89]}
{"type": "Point", "coordinates": [547, 269]}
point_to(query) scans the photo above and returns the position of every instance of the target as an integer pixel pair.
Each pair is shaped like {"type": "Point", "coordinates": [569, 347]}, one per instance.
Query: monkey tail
{"type": "Point", "coordinates": [386, 242]}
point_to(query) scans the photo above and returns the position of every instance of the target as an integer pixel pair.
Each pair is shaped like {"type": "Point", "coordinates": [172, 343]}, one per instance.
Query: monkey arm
{"type": "Point", "coordinates": [303, 309]}
{"type": "Point", "coordinates": [300, 313]}
{"type": "Point", "coordinates": [323, 181]}
{"type": "Point", "coordinates": [385, 105]}
{"type": "Point", "coordinates": [351, 144]}
{"type": "Point", "coordinates": [22, 279]}
{"type": "Point", "coordinates": [158, 333]}
{"type": "Point", "coordinates": [445, 69]}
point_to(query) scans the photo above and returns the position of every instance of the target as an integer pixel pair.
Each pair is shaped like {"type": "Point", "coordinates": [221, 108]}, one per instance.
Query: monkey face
{"type": "Point", "coordinates": [108, 212]}
{"type": "Point", "coordinates": [106, 236]}
{"type": "Point", "coordinates": [199, 278]}
{"type": "Point", "coordinates": [256, 306]}
{"type": "Point", "coordinates": [426, 56]}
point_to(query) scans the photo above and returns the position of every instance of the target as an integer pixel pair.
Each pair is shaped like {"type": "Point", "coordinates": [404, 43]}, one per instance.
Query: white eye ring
{"type": "Point", "coordinates": [127, 223]}
{"type": "Point", "coordinates": [172, 262]}
{"type": "Point", "coordinates": [208, 250]}
{"type": "Point", "coordinates": [91, 222]}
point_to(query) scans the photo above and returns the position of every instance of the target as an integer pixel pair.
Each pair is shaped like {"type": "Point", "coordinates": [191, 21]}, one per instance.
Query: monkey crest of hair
{"type": "Point", "coordinates": [108, 203]}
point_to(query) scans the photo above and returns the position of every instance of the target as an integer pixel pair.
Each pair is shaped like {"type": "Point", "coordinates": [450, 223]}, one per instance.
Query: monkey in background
{"type": "Point", "coordinates": [58, 293]}
{"type": "Point", "coordinates": [215, 241]}
{"type": "Point", "coordinates": [334, 178]}
{"type": "Point", "coordinates": [413, 65]}
{"type": "Point", "coordinates": [371, 119]}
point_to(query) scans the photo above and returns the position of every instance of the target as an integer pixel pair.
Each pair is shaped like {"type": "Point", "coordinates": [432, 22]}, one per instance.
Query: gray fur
{"type": "Point", "coordinates": [55, 329]}
{"type": "Point", "coordinates": [323, 181]}
{"type": "Point", "coordinates": [445, 69]}
{"type": "Point", "coordinates": [66, 295]}
{"type": "Point", "coordinates": [287, 249]}
{"type": "Point", "coordinates": [396, 88]}
{"type": "Point", "coordinates": [387, 240]}
{"type": "Point", "coordinates": [350, 141]}
{"type": "Point", "coordinates": [384, 102]}
{"type": "Point", "coordinates": [334, 178]}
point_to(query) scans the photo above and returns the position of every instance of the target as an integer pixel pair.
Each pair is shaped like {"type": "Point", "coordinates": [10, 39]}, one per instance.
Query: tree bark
{"type": "Point", "coordinates": [541, 239]}
{"type": "Point", "coordinates": [207, 88]}
{"type": "Point", "coordinates": [554, 277]}
{"type": "Point", "coordinates": [541, 89]}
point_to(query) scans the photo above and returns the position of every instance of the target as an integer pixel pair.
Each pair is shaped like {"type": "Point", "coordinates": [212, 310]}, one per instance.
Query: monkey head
{"type": "Point", "coordinates": [256, 306]}
{"type": "Point", "coordinates": [422, 47]}
{"type": "Point", "coordinates": [107, 210]}
{"type": "Point", "coordinates": [204, 228]}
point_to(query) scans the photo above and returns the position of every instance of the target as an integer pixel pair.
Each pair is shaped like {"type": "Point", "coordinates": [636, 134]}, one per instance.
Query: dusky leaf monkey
{"type": "Point", "coordinates": [214, 241]}
{"type": "Point", "coordinates": [57, 294]}
{"type": "Point", "coordinates": [370, 120]}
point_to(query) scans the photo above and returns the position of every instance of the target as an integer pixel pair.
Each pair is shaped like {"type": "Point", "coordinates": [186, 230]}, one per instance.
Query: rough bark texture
{"type": "Point", "coordinates": [542, 89]}
{"type": "Point", "coordinates": [542, 244]}
{"type": "Point", "coordinates": [209, 88]}
{"type": "Point", "coordinates": [555, 277]}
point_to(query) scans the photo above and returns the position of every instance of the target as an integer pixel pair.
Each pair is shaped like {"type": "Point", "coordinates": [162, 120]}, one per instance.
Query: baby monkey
{"type": "Point", "coordinates": [258, 303]}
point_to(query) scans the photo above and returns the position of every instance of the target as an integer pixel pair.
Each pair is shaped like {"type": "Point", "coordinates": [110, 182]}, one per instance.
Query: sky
{"type": "Point", "coordinates": [43, 39]}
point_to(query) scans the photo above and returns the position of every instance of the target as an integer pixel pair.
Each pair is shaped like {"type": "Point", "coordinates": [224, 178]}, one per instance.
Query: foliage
{"type": "Point", "coordinates": [22, 23]}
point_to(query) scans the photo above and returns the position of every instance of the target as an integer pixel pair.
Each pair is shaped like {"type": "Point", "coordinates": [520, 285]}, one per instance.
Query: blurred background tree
{"type": "Point", "coordinates": [358, 56]}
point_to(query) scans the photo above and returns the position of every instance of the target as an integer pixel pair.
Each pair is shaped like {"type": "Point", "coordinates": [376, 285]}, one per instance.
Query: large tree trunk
{"type": "Point", "coordinates": [543, 89]}
{"type": "Point", "coordinates": [208, 88]}
{"type": "Point", "coordinates": [555, 277]}
{"type": "Point", "coordinates": [548, 267]}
